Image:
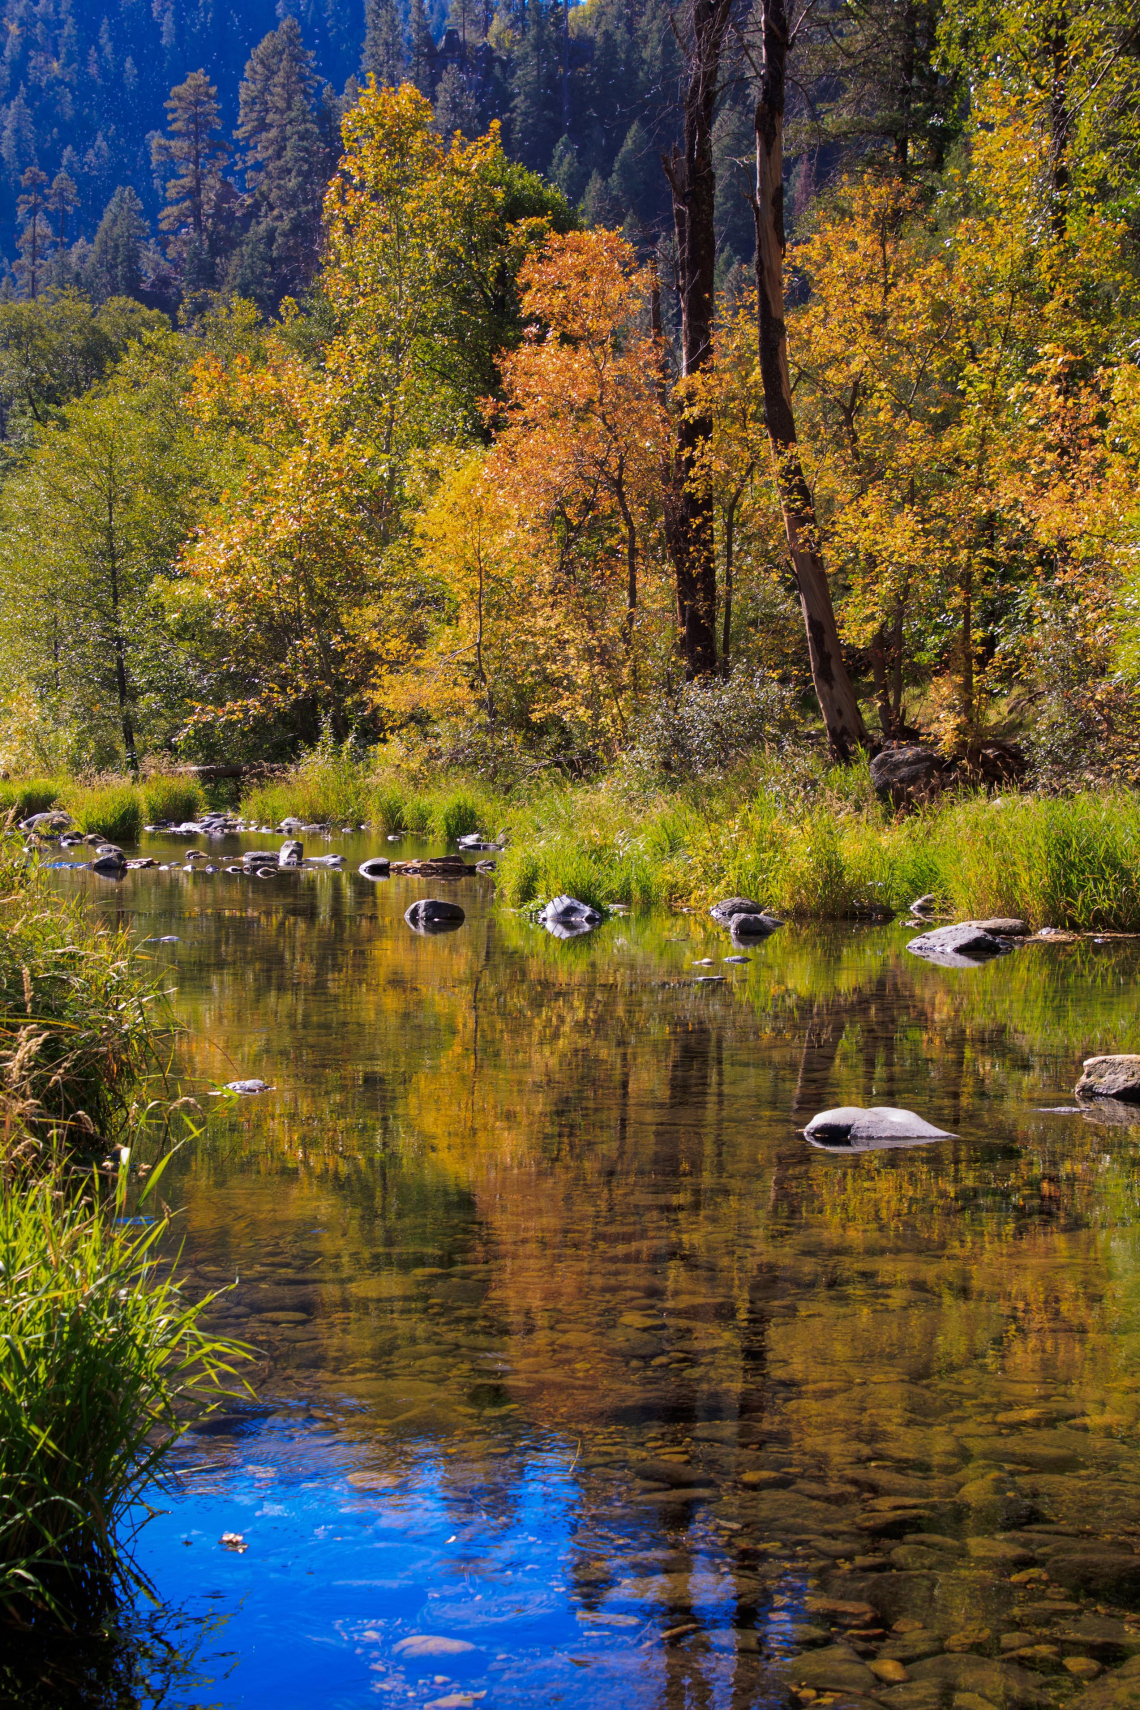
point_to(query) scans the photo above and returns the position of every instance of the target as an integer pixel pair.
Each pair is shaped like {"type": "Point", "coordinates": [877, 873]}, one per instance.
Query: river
{"type": "Point", "coordinates": [586, 1379]}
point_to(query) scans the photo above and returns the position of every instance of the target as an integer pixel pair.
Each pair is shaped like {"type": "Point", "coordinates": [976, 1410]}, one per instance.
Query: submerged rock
{"type": "Point", "coordinates": [1110, 1077]}
{"type": "Point", "coordinates": [566, 917]}
{"type": "Point", "coordinates": [850, 1128]}
{"type": "Point", "coordinates": [432, 914]}
{"type": "Point", "coordinates": [961, 946]}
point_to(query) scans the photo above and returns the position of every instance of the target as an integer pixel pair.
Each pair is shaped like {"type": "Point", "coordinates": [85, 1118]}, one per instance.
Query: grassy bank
{"type": "Point", "coordinates": [116, 808]}
{"type": "Point", "coordinates": [103, 1363]}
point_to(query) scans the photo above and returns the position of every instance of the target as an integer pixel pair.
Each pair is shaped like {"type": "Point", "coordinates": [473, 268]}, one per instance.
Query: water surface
{"type": "Point", "coordinates": [578, 1359]}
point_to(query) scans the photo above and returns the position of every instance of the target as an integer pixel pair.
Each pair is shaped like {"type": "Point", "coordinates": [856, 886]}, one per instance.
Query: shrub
{"type": "Point", "coordinates": [712, 725]}
{"type": "Point", "coordinates": [115, 811]}
{"type": "Point", "coordinates": [171, 799]}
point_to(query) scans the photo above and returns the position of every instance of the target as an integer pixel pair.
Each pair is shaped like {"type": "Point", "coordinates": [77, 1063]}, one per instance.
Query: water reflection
{"type": "Point", "coordinates": [577, 1356]}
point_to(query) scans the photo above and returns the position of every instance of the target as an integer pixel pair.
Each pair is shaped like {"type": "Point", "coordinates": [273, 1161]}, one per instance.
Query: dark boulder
{"type": "Point", "coordinates": [1105, 1575]}
{"type": "Point", "coordinates": [902, 775]}
{"type": "Point", "coordinates": [110, 866]}
{"type": "Point", "coordinates": [432, 914]}
{"type": "Point", "coordinates": [1110, 1077]}
{"type": "Point", "coordinates": [729, 909]}
{"type": "Point", "coordinates": [376, 867]}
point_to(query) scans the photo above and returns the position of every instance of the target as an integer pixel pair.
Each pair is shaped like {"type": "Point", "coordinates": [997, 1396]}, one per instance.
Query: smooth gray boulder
{"type": "Point", "coordinates": [432, 914]}
{"type": "Point", "coordinates": [292, 853]}
{"type": "Point", "coordinates": [961, 946]}
{"type": "Point", "coordinates": [53, 820]}
{"type": "Point", "coordinates": [1003, 926]}
{"type": "Point", "coordinates": [260, 857]}
{"type": "Point", "coordinates": [566, 917]}
{"type": "Point", "coordinates": [1110, 1077]}
{"type": "Point", "coordinates": [850, 1128]}
{"type": "Point", "coordinates": [376, 867]}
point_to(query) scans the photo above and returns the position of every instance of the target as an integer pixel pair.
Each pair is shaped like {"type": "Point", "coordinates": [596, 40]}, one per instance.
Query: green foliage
{"type": "Point", "coordinates": [103, 1365]}
{"type": "Point", "coordinates": [31, 795]}
{"type": "Point", "coordinates": [171, 799]}
{"type": "Point", "coordinates": [337, 789]}
{"type": "Point", "coordinates": [113, 810]}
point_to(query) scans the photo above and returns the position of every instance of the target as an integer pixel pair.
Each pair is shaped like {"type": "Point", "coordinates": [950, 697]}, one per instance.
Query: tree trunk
{"type": "Point", "coordinates": [841, 716]}
{"type": "Point", "coordinates": [689, 531]}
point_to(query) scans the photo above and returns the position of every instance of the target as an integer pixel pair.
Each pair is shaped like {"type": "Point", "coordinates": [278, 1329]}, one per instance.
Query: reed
{"type": "Point", "coordinates": [103, 1365]}
{"type": "Point", "coordinates": [338, 790]}
{"type": "Point", "coordinates": [23, 798]}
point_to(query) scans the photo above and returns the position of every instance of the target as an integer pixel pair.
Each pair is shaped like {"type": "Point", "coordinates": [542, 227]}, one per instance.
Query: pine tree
{"type": "Point", "coordinates": [35, 239]}
{"type": "Point", "coordinates": [384, 56]}
{"type": "Point", "coordinates": [62, 201]}
{"type": "Point", "coordinates": [456, 109]}
{"type": "Point", "coordinates": [115, 265]}
{"type": "Point", "coordinates": [537, 105]}
{"type": "Point", "coordinates": [194, 152]}
{"type": "Point", "coordinates": [287, 164]}
{"type": "Point", "coordinates": [421, 46]}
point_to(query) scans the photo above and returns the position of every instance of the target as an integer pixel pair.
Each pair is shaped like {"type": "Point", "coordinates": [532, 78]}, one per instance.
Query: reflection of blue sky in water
{"type": "Point", "coordinates": [333, 1578]}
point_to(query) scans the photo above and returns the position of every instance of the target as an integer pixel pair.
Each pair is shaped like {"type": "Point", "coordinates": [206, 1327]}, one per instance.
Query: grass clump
{"type": "Point", "coordinates": [114, 810]}
{"type": "Point", "coordinates": [171, 800]}
{"type": "Point", "coordinates": [103, 1365]}
{"type": "Point", "coordinates": [28, 796]}
{"type": "Point", "coordinates": [339, 789]}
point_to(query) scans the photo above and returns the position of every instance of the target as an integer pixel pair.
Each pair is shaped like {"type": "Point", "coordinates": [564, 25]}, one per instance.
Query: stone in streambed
{"type": "Point", "coordinates": [432, 914]}
{"type": "Point", "coordinates": [376, 867]}
{"type": "Point", "coordinates": [1112, 1577]}
{"type": "Point", "coordinates": [851, 1128]}
{"type": "Point", "coordinates": [965, 943]}
{"type": "Point", "coordinates": [566, 917]}
{"type": "Point", "coordinates": [292, 853]}
{"type": "Point", "coordinates": [729, 908]}
{"type": "Point", "coordinates": [1000, 1683]}
{"type": "Point", "coordinates": [1117, 1690]}
{"type": "Point", "coordinates": [673, 1473]}
{"type": "Point", "coordinates": [835, 1668]}
{"type": "Point", "coordinates": [1110, 1077]}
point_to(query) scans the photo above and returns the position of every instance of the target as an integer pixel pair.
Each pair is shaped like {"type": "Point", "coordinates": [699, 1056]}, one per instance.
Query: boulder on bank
{"type": "Point", "coordinates": [907, 774]}
{"type": "Point", "coordinates": [850, 1128]}
{"type": "Point", "coordinates": [1110, 1077]}
{"type": "Point", "coordinates": [432, 914]}
{"type": "Point", "coordinates": [54, 820]}
{"type": "Point", "coordinates": [566, 917]}
{"type": "Point", "coordinates": [961, 946]}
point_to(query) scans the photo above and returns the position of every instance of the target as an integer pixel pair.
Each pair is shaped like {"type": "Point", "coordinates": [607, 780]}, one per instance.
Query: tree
{"type": "Point", "coordinates": [842, 718]}
{"type": "Point", "coordinates": [34, 241]}
{"type": "Point", "coordinates": [384, 56]}
{"type": "Point", "coordinates": [114, 268]}
{"type": "Point", "coordinates": [421, 48]}
{"type": "Point", "coordinates": [692, 180]}
{"type": "Point", "coordinates": [199, 202]}
{"type": "Point", "coordinates": [53, 350]}
{"type": "Point", "coordinates": [287, 164]}
{"type": "Point", "coordinates": [62, 201]}
{"type": "Point", "coordinates": [94, 516]}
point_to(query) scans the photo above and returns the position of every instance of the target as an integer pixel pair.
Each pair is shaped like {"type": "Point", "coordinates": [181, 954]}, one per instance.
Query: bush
{"type": "Point", "coordinates": [103, 1366]}
{"type": "Point", "coordinates": [34, 795]}
{"type": "Point", "coordinates": [712, 725]}
{"type": "Point", "coordinates": [171, 800]}
{"type": "Point", "coordinates": [115, 811]}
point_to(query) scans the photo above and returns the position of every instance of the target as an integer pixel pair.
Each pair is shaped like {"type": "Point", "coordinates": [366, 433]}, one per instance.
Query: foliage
{"type": "Point", "coordinates": [711, 726]}
{"type": "Point", "coordinates": [339, 789]}
{"type": "Point", "coordinates": [29, 795]}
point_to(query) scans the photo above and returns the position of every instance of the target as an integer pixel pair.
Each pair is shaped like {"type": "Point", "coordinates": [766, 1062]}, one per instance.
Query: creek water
{"type": "Point", "coordinates": [585, 1378]}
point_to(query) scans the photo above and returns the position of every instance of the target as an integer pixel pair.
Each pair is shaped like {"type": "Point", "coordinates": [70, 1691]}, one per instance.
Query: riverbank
{"type": "Point", "coordinates": [103, 1362]}
{"type": "Point", "coordinates": [796, 835]}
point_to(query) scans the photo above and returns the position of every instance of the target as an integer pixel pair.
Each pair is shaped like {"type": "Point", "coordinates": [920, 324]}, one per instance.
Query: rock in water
{"type": "Point", "coordinates": [566, 917]}
{"type": "Point", "coordinates": [925, 904]}
{"type": "Point", "coordinates": [853, 1129]}
{"type": "Point", "coordinates": [253, 1086]}
{"type": "Point", "coordinates": [902, 775]}
{"type": "Point", "coordinates": [431, 914]}
{"type": "Point", "coordinates": [110, 866]}
{"type": "Point", "coordinates": [1002, 926]}
{"type": "Point", "coordinates": [751, 926]}
{"type": "Point", "coordinates": [260, 858]}
{"type": "Point", "coordinates": [376, 867]}
{"type": "Point", "coordinates": [1110, 1077]}
{"type": "Point", "coordinates": [292, 853]}
{"type": "Point", "coordinates": [726, 911]}
{"type": "Point", "coordinates": [54, 820]}
{"type": "Point", "coordinates": [961, 946]}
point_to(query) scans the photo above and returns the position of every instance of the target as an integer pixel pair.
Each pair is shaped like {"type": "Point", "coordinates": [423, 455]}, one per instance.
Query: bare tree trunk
{"type": "Point", "coordinates": [688, 503]}
{"type": "Point", "coordinates": [841, 716]}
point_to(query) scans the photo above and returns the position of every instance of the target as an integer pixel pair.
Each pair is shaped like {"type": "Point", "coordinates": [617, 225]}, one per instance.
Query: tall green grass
{"type": "Point", "coordinates": [28, 796]}
{"type": "Point", "coordinates": [826, 849]}
{"type": "Point", "coordinates": [114, 810]}
{"type": "Point", "coordinates": [339, 790]}
{"type": "Point", "coordinates": [103, 1366]}
{"type": "Point", "coordinates": [171, 799]}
